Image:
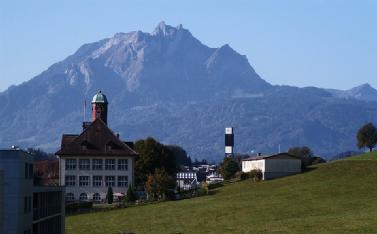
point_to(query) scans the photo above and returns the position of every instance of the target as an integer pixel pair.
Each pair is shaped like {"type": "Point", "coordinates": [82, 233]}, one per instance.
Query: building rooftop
{"type": "Point", "coordinates": [96, 140]}
{"type": "Point", "coordinates": [279, 155]}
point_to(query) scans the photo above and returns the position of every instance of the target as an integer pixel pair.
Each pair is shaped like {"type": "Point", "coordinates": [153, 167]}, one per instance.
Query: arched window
{"type": "Point", "coordinates": [83, 197]}
{"type": "Point", "coordinates": [69, 197]}
{"type": "Point", "coordinates": [96, 197]}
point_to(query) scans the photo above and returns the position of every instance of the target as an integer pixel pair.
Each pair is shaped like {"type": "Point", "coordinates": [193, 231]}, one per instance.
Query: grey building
{"type": "Point", "coordinates": [27, 209]}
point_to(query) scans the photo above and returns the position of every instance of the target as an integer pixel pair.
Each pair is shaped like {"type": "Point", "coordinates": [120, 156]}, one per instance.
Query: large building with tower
{"type": "Point", "coordinates": [96, 159]}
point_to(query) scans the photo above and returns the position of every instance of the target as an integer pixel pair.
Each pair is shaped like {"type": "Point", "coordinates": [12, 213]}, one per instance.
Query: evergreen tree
{"type": "Point", "coordinates": [131, 196]}
{"type": "Point", "coordinates": [110, 195]}
{"type": "Point", "coordinates": [228, 168]}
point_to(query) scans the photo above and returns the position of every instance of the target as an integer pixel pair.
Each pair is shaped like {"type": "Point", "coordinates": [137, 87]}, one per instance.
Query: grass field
{"type": "Point", "coordinates": [337, 197]}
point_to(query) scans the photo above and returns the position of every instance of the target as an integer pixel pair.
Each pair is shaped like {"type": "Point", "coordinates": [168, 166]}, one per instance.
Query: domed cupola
{"type": "Point", "coordinates": [99, 107]}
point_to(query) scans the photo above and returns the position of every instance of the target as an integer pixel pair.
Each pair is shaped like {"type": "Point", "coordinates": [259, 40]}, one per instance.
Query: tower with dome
{"type": "Point", "coordinates": [95, 159]}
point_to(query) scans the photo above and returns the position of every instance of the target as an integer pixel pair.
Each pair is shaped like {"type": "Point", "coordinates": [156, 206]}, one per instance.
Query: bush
{"type": "Point", "coordinates": [78, 206]}
{"type": "Point", "coordinates": [242, 175]}
{"type": "Point", "coordinates": [256, 175]}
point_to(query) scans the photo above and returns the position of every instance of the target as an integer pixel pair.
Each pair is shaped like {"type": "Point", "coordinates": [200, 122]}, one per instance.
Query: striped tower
{"type": "Point", "coordinates": [229, 141]}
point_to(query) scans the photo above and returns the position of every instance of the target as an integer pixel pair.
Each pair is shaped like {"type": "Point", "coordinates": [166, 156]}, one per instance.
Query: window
{"type": "Point", "coordinates": [83, 197]}
{"type": "Point", "coordinates": [97, 181]}
{"type": "Point", "coordinates": [97, 164]}
{"type": "Point", "coordinates": [96, 197]}
{"type": "Point", "coordinates": [27, 205]}
{"type": "Point", "coordinates": [110, 164]}
{"type": "Point", "coordinates": [69, 197]}
{"type": "Point", "coordinates": [70, 180]}
{"type": "Point", "coordinates": [122, 181]}
{"type": "Point", "coordinates": [84, 164]}
{"type": "Point", "coordinates": [83, 181]}
{"type": "Point", "coordinates": [28, 171]}
{"type": "Point", "coordinates": [110, 181]}
{"type": "Point", "coordinates": [123, 164]}
{"type": "Point", "coordinates": [31, 174]}
{"type": "Point", "coordinates": [70, 164]}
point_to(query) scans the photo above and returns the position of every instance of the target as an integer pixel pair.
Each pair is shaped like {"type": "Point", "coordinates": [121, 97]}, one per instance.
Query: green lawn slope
{"type": "Point", "coordinates": [337, 197]}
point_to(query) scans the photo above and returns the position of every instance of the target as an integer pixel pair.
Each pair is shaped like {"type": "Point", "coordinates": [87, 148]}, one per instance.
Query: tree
{"type": "Point", "coordinates": [305, 153]}
{"type": "Point", "coordinates": [131, 196]}
{"type": "Point", "coordinates": [110, 195]}
{"type": "Point", "coordinates": [367, 136]}
{"type": "Point", "coordinates": [158, 184]}
{"type": "Point", "coordinates": [152, 156]}
{"type": "Point", "coordinates": [181, 158]}
{"type": "Point", "coordinates": [228, 168]}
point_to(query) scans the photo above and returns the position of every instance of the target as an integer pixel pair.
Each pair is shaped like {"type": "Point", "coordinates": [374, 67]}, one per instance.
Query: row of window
{"type": "Point", "coordinates": [83, 197]}
{"type": "Point", "coordinates": [97, 181]}
{"type": "Point", "coordinates": [97, 164]}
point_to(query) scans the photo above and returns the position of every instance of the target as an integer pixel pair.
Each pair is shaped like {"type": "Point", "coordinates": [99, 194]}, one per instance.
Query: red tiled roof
{"type": "Point", "coordinates": [96, 140]}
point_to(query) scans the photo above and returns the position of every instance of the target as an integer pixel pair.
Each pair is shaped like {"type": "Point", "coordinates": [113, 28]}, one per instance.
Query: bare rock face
{"type": "Point", "coordinates": [167, 84]}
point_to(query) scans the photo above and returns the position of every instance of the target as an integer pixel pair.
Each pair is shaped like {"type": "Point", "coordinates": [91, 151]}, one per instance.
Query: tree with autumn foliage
{"type": "Point", "coordinates": [158, 184]}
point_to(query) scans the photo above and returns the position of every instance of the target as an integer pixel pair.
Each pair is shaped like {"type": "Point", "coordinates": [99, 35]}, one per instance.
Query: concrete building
{"type": "Point", "coordinates": [1, 200]}
{"type": "Point", "coordinates": [273, 166]}
{"type": "Point", "coordinates": [18, 198]}
{"type": "Point", "coordinates": [96, 159]}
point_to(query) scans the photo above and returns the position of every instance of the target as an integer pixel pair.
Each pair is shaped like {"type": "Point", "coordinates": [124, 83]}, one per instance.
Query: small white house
{"type": "Point", "coordinates": [273, 166]}
{"type": "Point", "coordinates": [187, 180]}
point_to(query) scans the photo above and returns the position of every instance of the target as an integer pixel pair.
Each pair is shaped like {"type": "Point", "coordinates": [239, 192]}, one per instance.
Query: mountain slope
{"type": "Point", "coordinates": [167, 84]}
{"type": "Point", "coordinates": [363, 92]}
{"type": "Point", "coordinates": [337, 197]}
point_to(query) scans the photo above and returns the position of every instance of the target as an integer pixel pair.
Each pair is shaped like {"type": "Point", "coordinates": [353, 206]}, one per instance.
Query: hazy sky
{"type": "Point", "coordinates": [324, 43]}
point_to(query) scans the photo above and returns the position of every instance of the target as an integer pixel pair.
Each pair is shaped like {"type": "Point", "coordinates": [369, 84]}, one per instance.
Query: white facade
{"type": "Point", "coordinates": [91, 183]}
{"type": "Point", "coordinates": [273, 166]}
{"type": "Point", "coordinates": [187, 180]}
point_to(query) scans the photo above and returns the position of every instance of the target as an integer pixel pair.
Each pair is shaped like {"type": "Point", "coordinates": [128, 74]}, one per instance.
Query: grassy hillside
{"type": "Point", "coordinates": [338, 197]}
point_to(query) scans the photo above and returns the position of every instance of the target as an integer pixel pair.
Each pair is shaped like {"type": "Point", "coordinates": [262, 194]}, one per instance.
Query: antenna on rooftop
{"type": "Point", "coordinates": [84, 109]}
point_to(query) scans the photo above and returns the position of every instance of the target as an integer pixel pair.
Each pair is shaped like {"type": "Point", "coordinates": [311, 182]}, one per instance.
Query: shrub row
{"type": "Point", "coordinates": [255, 175]}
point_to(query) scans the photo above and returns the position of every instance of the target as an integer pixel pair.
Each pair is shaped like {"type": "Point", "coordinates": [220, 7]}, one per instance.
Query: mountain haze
{"type": "Point", "coordinates": [167, 84]}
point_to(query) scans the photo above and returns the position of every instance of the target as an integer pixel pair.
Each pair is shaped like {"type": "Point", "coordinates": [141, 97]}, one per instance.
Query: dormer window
{"type": "Point", "coordinates": [84, 145]}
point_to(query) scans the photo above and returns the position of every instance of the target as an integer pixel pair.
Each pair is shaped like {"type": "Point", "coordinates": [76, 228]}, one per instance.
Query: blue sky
{"type": "Point", "coordinates": [331, 44]}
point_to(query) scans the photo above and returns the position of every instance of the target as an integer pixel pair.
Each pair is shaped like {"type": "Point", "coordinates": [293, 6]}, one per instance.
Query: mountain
{"type": "Point", "coordinates": [167, 84]}
{"type": "Point", "coordinates": [363, 92]}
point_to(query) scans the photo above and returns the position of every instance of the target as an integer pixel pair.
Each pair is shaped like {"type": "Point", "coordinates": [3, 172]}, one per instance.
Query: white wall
{"type": "Point", "coordinates": [90, 190]}
{"type": "Point", "coordinates": [273, 168]}
{"type": "Point", "coordinates": [247, 166]}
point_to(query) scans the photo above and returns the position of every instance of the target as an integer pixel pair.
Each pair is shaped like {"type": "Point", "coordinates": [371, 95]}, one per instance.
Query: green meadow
{"type": "Point", "coordinates": [336, 197]}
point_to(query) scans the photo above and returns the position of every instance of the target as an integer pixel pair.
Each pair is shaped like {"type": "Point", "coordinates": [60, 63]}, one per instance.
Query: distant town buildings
{"type": "Point", "coordinates": [25, 208]}
{"type": "Point", "coordinates": [96, 159]}
{"type": "Point", "coordinates": [273, 166]}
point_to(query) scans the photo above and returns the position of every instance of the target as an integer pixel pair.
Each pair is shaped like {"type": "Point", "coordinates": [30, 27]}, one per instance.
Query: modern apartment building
{"type": "Point", "coordinates": [21, 202]}
{"type": "Point", "coordinates": [96, 159]}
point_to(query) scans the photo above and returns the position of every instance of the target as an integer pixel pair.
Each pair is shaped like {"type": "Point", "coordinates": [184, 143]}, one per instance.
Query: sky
{"type": "Point", "coordinates": [328, 44]}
